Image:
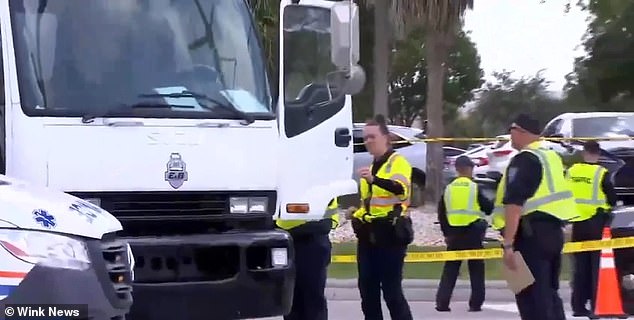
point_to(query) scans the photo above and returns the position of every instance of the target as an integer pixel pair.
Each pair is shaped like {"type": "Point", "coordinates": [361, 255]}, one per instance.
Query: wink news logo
{"type": "Point", "coordinates": [45, 311]}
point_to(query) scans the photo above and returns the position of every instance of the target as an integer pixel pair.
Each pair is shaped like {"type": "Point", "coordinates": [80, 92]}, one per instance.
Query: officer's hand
{"type": "Point", "coordinates": [509, 259]}
{"type": "Point", "coordinates": [366, 174]}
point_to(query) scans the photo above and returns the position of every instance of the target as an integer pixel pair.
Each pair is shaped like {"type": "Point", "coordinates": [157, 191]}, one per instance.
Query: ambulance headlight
{"type": "Point", "coordinates": [94, 201]}
{"type": "Point", "coordinates": [248, 204]}
{"type": "Point", "coordinates": [46, 249]}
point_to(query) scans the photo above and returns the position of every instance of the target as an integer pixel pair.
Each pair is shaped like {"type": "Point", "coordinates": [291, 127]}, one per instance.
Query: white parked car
{"type": "Point", "coordinates": [415, 152]}
{"type": "Point", "coordinates": [479, 157]}
{"type": "Point", "coordinates": [499, 155]}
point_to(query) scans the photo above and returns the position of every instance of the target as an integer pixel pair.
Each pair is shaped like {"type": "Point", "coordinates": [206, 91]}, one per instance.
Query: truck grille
{"type": "Point", "coordinates": [145, 213]}
{"type": "Point", "coordinates": [118, 268]}
{"type": "Point", "coordinates": [165, 205]}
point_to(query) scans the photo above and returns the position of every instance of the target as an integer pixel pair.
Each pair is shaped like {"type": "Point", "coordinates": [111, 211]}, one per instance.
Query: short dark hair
{"type": "Point", "coordinates": [379, 120]}
{"type": "Point", "coordinates": [592, 147]}
{"type": "Point", "coordinates": [463, 162]}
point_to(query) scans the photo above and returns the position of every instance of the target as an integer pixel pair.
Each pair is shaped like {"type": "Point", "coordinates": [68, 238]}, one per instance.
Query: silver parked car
{"type": "Point", "coordinates": [415, 152]}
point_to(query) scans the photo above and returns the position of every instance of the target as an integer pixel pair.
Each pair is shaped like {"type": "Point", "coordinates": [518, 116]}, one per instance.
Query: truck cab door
{"type": "Point", "coordinates": [315, 106]}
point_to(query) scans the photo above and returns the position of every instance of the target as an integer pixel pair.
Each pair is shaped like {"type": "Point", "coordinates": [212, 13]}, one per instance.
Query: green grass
{"type": "Point", "coordinates": [425, 270]}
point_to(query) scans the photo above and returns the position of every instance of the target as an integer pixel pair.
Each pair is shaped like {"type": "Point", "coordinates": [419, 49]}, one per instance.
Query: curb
{"type": "Point", "coordinates": [425, 290]}
{"type": "Point", "coordinates": [426, 284]}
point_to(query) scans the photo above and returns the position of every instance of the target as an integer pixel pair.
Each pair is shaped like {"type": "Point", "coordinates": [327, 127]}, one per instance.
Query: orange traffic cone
{"type": "Point", "coordinates": [608, 300]}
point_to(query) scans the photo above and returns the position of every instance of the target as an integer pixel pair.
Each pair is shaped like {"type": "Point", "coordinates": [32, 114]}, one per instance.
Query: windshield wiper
{"type": "Point", "coordinates": [90, 117]}
{"type": "Point", "coordinates": [190, 94]}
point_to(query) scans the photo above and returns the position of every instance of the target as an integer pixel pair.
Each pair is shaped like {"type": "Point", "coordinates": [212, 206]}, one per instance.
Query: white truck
{"type": "Point", "coordinates": [163, 113]}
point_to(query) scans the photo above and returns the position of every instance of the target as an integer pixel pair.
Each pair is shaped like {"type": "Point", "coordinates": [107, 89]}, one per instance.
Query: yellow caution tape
{"type": "Point", "coordinates": [569, 247]}
{"type": "Point", "coordinates": [458, 139]}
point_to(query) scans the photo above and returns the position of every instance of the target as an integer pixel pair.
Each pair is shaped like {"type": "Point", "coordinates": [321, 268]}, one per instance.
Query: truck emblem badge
{"type": "Point", "coordinates": [44, 218]}
{"type": "Point", "coordinates": [176, 173]}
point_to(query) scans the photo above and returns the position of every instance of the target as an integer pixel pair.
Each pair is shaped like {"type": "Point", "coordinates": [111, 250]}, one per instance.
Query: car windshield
{"type": "Point", "coordinates": [78, 57]}
{"type": "Point", "coordinates": [603, 126]}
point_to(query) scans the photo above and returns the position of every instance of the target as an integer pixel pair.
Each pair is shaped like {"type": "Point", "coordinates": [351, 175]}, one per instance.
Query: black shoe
{"type": "Point", "coordinates": [443, 309]}
{"type": "Point", "coordinates": [581, 313]}
{"type": "Point", "coordinates": [475, 309]}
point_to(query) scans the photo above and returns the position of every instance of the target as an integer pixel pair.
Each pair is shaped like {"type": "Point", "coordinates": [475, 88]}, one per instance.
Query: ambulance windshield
{"type": "Point", "coordinates": [138, 58]}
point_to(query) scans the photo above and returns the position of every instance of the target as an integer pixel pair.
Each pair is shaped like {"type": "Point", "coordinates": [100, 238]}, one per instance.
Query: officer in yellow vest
{"type": "Point", "coordinates": [595, 195]}
{"type": "Point", "coordinates": [312, 249]}
{"type": "Point", "coordinates": [460, 213]}
{"type": "Point", "coordinates": [533, 202]}
{"type": "Point", "coordinates": [382, 228]}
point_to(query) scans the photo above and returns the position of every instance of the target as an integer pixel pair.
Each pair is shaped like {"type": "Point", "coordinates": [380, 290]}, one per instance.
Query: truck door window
{"type": "Point", "coordinates": [309, 95]}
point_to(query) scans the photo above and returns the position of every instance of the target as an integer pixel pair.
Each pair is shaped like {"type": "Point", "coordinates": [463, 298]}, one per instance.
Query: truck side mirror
{"type": "Point", "coordinates": [344, 36]}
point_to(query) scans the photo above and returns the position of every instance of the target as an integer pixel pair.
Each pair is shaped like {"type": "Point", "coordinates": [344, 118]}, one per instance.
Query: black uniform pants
{"type": "Point", "coordinates": [585, 264]}
{"type": "Point", "coordinates": [542, 252]}
{"type": "Point", "coordinates": [465, 238]}
{"type": "Point", "coordinates": [312, 257]}
{"type": "Point", "coordinates": [381, 269]}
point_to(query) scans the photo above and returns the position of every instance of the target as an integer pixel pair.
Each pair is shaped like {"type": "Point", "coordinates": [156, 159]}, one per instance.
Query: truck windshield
{"type": "Point", "coordinates": [79, 57]}
{"type": "Point", "coordinates": [603, 126]}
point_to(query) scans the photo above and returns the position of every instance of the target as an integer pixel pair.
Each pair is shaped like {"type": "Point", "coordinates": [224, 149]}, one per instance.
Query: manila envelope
{"type": "Point", "coordinates": [520, 278]}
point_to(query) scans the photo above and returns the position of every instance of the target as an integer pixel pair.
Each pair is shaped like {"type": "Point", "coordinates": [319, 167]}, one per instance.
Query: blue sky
{"type": "Point", "coordinates": [526, 36]}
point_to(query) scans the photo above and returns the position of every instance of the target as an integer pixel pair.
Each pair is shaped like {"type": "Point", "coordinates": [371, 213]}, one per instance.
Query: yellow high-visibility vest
{"type": "Point", "coordinates": [553, 196]}
{"type": "Point", "coordinates": [461, 202]}
{"type": "Point", "coordinates": [585, 182]}
{"type": "Point", "coordinates": [382, 202]}
{"type": "Point", "coordinates": [331, 213]}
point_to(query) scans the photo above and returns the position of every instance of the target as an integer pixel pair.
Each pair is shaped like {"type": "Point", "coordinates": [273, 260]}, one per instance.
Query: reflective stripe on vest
{"type": "Point", "coordinates": [585, 180]}
{"type": "Point", "coordinates": [461, 202]}
{"type": "Point", "coordinates": [553, 196]}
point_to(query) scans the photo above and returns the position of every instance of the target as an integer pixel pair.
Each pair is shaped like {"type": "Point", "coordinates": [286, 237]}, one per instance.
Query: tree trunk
{"type": "Point", "coordinates": [436, 51]}
{"type": "Point", "coordinates": [381, 57]}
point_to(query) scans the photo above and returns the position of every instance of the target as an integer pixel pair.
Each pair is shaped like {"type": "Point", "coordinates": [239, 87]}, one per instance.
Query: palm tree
{"type": "Point", "coordinates": [402, 16]}
{"type": "Point", "coordinates": [442, 19]}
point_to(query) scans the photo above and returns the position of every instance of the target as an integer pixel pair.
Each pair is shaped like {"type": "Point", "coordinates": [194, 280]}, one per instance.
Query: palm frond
{"type": "Point", "coordinates": [439, 15]}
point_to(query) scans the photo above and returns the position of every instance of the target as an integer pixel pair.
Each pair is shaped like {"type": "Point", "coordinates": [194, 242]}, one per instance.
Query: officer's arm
{"type": "Point", "coordinates": [486, 205]}
{"type": "Point", "coordinates": [608, 189]}
{"type": "Point", "coordinates": [442, 215]}
{"type": "Point", "coordinates": [522, 181]}
{"type": "Point", "coordinates": [399, 181]}
{"type": "Point", "coordinates": [363, 189]}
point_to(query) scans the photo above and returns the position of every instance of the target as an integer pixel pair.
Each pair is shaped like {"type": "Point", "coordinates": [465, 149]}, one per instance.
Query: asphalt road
{"type": "Point", "coordinates": [351, 310]}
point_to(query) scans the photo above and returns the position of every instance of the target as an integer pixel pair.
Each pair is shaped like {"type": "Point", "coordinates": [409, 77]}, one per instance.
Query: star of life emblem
{"type": "Point", "coordinates": [176, 173]}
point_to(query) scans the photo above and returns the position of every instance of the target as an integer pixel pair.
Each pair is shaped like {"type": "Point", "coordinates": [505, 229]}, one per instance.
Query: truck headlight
{"type": "Point", "coordinates": [47, 249]}
{"type": "Point", "coordinates": [248, 204]}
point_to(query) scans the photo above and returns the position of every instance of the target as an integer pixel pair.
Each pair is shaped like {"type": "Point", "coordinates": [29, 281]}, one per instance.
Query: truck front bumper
{"type": "Point", "coordinates": [212, 276]}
